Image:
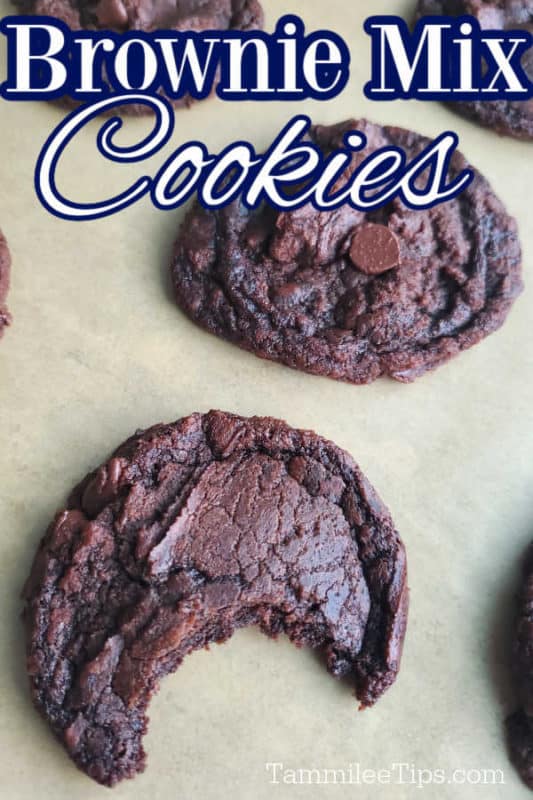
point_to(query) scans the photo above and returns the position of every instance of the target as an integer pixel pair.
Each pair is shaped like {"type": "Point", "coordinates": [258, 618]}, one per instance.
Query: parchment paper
{"type": "Point", "coordinates": [98, 349]}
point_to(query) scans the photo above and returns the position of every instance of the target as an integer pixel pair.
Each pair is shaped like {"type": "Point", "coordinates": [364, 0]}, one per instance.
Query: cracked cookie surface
{"type": "Point", "coordinates": [190, 531]}
{"type": "Point", "coordinates": [506, 117]}
{"type": "Point", "coordinates": [347, 294]}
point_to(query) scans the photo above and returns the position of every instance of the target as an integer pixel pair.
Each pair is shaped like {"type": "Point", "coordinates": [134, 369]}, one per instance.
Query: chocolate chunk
{"type": "Point", "coordinates": [506, 117]}
{"type": "Point", "coordinates": [284, 285]}
{"type": "Point", "coordinates": [375, 249]}
{"type": "Point", "coordinates": [148, 15]}
{"type": "Point", "coordinates": [5, 270]}
{"type": "Point", "coordinates": [191, 531]}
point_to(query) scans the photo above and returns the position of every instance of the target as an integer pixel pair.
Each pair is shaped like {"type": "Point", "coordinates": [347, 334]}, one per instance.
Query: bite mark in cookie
{"type": "Point", "coordinates": [188, 532]}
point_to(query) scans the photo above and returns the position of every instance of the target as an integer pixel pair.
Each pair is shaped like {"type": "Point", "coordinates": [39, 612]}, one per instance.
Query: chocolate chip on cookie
{"type": "Point", "coordinates": [375, 249]}
{"type": "Point", "coordinates": [351, 294]}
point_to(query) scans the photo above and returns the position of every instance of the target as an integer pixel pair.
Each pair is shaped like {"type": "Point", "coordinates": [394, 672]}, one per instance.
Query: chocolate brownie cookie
{"type": "Point", "coordinates": [149, 15]}
{"type": "Point", "coordinates": [190, 531]}
{"type": "Point", "coordinates": [511, 118]}
{"type": "Point", "coordinates": [520, 724]}
{"type": "Point", "coordinates": [353, 295]}
{"type": "Point", "coordinates": [5, 268]}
